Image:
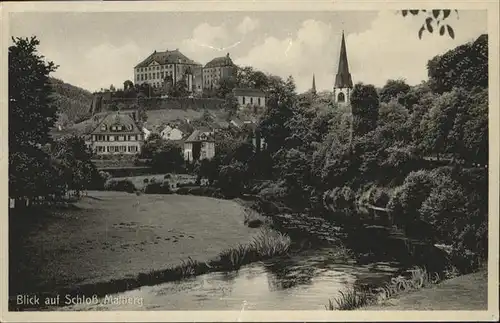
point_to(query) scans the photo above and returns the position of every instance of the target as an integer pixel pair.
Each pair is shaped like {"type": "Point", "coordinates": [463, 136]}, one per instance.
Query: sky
{"type": "Point", "coordinates": [95, 50]}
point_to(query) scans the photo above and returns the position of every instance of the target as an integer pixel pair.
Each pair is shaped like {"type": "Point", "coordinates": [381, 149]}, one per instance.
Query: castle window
{"type": "Point", "coordinates": [251, 100]}
{"type": "Point", "coordinates": [258, 100]}
{"type": "Point", "coordinates": [243, 100]}
{"type": "Point", "coordinates": [341, 97]}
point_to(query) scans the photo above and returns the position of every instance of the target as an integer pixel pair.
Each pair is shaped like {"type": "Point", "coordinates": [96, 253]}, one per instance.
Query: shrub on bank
{"type": "Point", "coordinates": [158, 188]}
{"type": "Point", "coordinates": [199, 191]}
{"type": "Point", "coordinates": [340, 198]}
{"type": "Point", "coordinates": [124, 185]}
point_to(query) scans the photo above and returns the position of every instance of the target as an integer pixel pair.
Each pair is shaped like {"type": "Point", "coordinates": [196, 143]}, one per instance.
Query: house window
{"type": "Point", "coordinates": [103, 127]}
{"type": "Point", "coordinates": [243, 100]}
{"type": "Point", "coordinates": [341, 97]}
{"type": "Point", "coordinates": [121, 138]}
{"type": "Point", "coordinates": [251, 100]}
{"type": "Point", "coordinates": [258, 100]}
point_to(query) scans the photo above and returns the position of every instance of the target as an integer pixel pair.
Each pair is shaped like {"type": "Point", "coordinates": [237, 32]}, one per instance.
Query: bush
{"type": "Point", "coordinates": [273, 192]}
{"type": "Point", "coordinates": [340, 198]}
{"type": "Point", "coordinates": [379, 197]}
{"type": "Point", "coordinates": [199, 191]}
{"type": "Point", "coordinates": [124, 185]}
{"type": "Point", "coordinates": [158, 188]}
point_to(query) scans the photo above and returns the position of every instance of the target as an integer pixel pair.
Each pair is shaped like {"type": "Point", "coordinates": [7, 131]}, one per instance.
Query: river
{"type": "Point", "coordinates": [305, 281]}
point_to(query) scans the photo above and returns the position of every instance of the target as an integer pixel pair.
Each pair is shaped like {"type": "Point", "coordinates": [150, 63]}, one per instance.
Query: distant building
{"type": "Point", "coordinates": [343, 81]}
{"type": "Point", "coordinates": [117, 133]}
{"type": "Point", "coordinates": [146, 133]}
{"type": "Point", "coordinates": [171, 133]}
{"type": "Point", "coordinates": [199, 146]}
{"type": "Point", "coordinates": [250, 97]}
{"type": "Point", "coordinates": [169, 66]}
{"type": "Point", "coordinates": [217, 69]}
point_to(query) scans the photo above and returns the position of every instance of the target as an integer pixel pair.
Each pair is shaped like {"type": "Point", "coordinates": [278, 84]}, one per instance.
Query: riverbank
{"type": "Point", "coordinates": [114, 236]}
{"type": "Point", "coordinates": [467, 293]}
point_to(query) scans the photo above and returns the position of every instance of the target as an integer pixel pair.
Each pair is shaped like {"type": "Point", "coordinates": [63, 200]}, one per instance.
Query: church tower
{"type": "Point", "coordinates": [313, 89]}
{"type": "Point", "coordinates": [343, 81]}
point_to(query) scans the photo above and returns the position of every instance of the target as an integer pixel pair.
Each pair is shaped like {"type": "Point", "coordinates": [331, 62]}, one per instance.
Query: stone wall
{"type": "Point", "coordinates": [102, 104]}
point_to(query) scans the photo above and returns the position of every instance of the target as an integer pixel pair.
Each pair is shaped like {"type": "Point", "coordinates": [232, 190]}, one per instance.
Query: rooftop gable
{"type": "Point", "coordinates": [166, 57]}
{"type": "Point", "coordinates": [117, 118]}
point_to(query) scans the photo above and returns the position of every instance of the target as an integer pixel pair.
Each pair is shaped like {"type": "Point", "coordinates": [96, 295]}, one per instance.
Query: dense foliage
{"type": "Point", "coordinates": [390, 148]}
{"type": "Point", "coordinates": [40, 170]}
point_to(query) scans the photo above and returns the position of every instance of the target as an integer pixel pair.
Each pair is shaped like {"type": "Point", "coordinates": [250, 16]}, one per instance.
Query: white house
{"type": "Point", "coordinates": [171, 133]}
{"type": "Point", "coordinates": [250, 97]}
{"type": "Point", "coordinates": [199, 146]}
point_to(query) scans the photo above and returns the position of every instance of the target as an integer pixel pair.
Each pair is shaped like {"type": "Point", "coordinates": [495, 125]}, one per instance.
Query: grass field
{"type": "Point", "coordinates": [112, 235]}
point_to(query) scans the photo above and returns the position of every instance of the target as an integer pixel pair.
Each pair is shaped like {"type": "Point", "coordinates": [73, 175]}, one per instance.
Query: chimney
{"type": "Point", "coordinates": [227, 55]}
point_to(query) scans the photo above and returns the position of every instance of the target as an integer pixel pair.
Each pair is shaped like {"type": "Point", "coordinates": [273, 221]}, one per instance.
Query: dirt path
{"type": "Point", "coordinates": [468, 293]}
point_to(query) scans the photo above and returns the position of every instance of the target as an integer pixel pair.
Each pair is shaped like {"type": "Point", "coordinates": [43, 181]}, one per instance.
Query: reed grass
{"type": "Point", "coordinates": [349, 299]}
{"type": "Point", "coordinates": [266, 244]}
{"type": "Point", "coordinates": [417, 278]}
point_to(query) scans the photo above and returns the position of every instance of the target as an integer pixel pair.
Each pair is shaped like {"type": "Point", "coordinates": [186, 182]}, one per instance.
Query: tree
{"type": "Point", "coordinates": [465, 66]}
{"type": "Point", "coordinates": [31, 112]}
{"type": "Point", "coordinates": [364, 106]}
{"type": "Point", "coordinates": [394, 89]}
{"type": "Point", "coordinates": [434, 19]}
{"type": "Point", "coordinates": [233, 178]}
{"type": "Point", "coordinates": [179, 89]}
{"type": "Point", "coordinates": [142, 115]}
{"type": "Point", "coordinates": [128, 85]}
{"type": "Point", "coordinates": [231, 104]}
{"type": "Point", "coordinates": [74, 157]}
{"type": "Point", "coordinates": [225, 88]}
{"type": "Point", "coordinates": [31, 115]}
{"type": "Point", "coordinates": [164, 156]}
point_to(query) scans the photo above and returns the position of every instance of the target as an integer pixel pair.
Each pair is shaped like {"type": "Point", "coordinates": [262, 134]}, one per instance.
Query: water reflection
{"type": "Point", "coordinates": [302, 282]}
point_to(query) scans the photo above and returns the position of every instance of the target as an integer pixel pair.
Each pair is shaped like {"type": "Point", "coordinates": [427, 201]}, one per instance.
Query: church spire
{"type": "Point", "coordinates": [313, 89]}
{"type": "Point", "coordinates": [343, 78]}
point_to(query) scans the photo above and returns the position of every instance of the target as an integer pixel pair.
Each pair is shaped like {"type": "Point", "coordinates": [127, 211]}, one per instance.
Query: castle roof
{"type": "Point", "coordinates": [220, 62]}
{"type": "Point", "coordinates": [343, 78]}
{"type": "Point", "coordinates": [167, 57]}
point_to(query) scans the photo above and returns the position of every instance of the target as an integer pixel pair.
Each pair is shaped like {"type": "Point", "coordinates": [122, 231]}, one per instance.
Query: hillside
{"type": "Point", "coordinates": [73, 103]}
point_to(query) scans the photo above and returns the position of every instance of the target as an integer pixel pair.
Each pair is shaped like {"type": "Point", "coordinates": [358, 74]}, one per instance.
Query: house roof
{"type": "Point", "coordinates": [248, 92]}
{"type": "Point", "coordinates": [166, 57]}
{"type": "Point", "coordinates": [198, 136]}
{"type": "Point", "coordinates": [117, 118]}
{"type": "Point", "coordinates": [220, 62]}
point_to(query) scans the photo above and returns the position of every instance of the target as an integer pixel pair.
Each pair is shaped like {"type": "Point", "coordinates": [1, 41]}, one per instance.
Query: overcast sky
{"type": "Point", "coordinates": [96, 50]}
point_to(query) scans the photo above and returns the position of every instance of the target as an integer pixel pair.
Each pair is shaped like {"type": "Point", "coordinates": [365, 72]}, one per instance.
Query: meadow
{"type": "Point", "coordinates": [113, 235]}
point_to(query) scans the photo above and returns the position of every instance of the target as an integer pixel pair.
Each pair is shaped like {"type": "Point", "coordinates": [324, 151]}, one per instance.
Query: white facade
{"type": "Point", "coordinates": [251, 100]}
{"type": "Point", "coordinates": [146, 133]}
{"type": "Point", "coordinates": [342, 95]}
{"type": "Point", "coordinates": [170, 133]}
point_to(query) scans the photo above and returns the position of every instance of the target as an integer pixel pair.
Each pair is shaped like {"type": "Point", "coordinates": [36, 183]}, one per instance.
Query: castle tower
{"type": "Point", "coordinates": [343, 81]}
{"type": "Point", "coordinates": [313, 89]}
